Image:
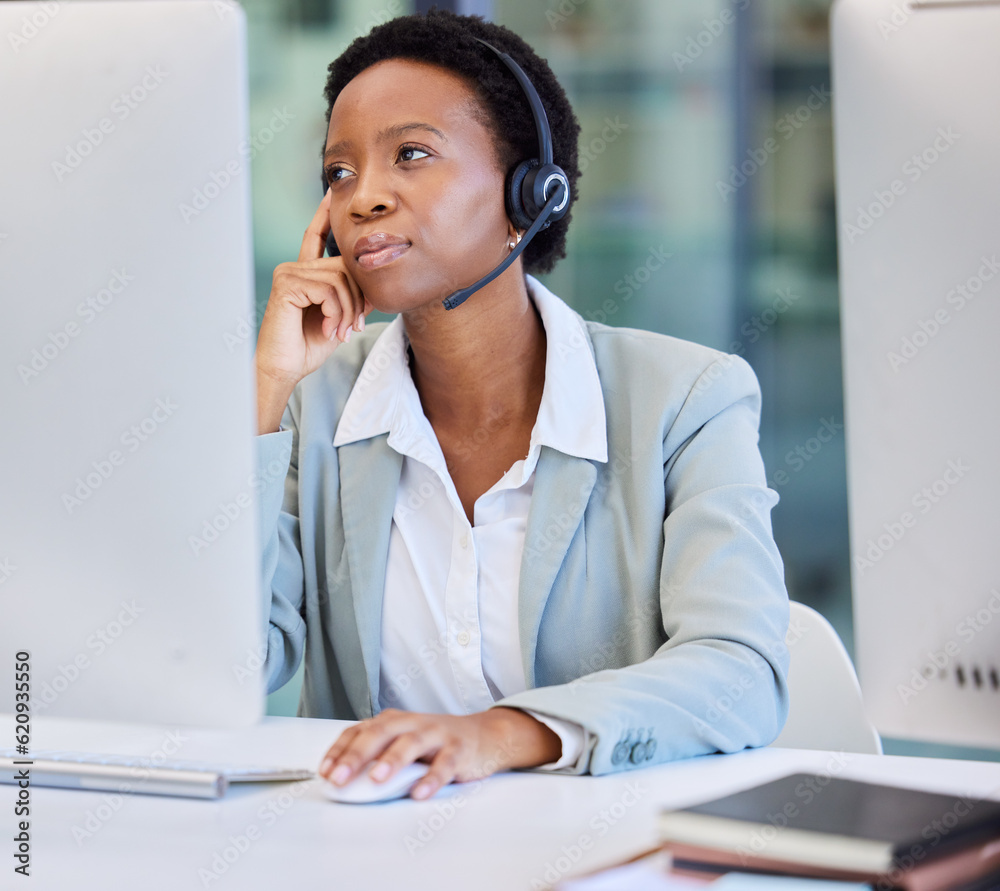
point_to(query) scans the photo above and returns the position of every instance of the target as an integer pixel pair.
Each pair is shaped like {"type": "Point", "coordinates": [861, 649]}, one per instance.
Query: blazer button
{"type": "Point", "coordinates": [638, 753]}
{"type": "Point", "coordinates": [619, 754]}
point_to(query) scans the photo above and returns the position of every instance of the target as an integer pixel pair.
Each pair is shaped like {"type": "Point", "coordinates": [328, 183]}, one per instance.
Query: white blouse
{"type": "Point", "coordinates": [450, 640]}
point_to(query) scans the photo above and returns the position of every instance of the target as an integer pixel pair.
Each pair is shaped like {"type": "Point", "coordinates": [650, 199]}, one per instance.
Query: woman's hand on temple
{"type": "Point", "coordinates": [313, 307]}
{"type": "Point", "coordinates": [458, 747]}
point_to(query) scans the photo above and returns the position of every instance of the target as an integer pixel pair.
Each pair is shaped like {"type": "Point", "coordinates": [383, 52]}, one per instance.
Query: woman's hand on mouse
{"type": "Point", "coordinates": [314, 306]}
{"type": "Point", "coordinates": [458, 747]}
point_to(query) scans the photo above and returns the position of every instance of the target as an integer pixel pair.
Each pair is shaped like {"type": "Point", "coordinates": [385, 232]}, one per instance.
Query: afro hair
{"type": "Point", "coordinates": [449, 40]}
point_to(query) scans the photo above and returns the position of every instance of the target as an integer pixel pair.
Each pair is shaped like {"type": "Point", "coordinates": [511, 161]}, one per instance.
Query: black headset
{"type": "Point", "coordinates": [537, 191]}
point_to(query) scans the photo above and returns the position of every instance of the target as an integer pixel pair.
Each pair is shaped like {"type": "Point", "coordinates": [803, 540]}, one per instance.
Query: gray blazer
{"type": "Point", "coordinates": [651, 604]}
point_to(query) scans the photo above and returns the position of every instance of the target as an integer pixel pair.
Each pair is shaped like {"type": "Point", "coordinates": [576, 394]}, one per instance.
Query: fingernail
{"type": "Point", "coordinates": [341, 774]}
{"type": "Point", "coordinates": [326, 765]}
{"type": "Point", "coordinates": [361, 323]}
{"type": "Point", "coordinates": [380, 771]}
{"type": "Point", "coordinates": [347, 335]}
{"type": "Point", "coordinates": [421, 790]}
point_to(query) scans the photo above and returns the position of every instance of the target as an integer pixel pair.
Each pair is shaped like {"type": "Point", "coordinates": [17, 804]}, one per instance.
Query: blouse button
{"type": "Point", "coordinates": [463, 638]}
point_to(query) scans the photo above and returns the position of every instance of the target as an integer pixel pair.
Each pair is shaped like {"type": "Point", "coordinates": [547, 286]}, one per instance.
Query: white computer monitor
{"type": "Point", "coordinates": [128, 527]}
{"type": "Point", "coordinates": [917, 130]}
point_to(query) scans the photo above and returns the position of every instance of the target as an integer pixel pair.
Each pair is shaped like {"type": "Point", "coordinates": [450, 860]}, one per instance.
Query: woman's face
{"type": "Point", "coordinates": [417, 204]}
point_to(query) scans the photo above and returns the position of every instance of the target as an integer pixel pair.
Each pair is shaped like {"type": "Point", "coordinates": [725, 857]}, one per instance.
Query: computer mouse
{"type": "Point", "coordinates": [364, 790]}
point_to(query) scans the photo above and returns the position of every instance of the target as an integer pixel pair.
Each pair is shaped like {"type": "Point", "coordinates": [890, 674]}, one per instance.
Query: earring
{"type": "Point", "coordinates": [514, 243]}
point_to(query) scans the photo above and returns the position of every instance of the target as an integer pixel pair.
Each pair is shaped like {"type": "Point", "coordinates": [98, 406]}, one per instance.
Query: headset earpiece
{"type": "Point", "coordinates": [540, 183]}
{"type": "Point", "coordinates": [529, 186]}
{"type": "Point", "coordinates": [514, 197]}
{"type": "Point", "coordinates": [532, 183]}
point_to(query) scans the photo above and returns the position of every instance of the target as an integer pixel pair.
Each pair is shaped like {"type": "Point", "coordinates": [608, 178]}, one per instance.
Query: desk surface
{"type": "Point", "coordinates": [516, 830]}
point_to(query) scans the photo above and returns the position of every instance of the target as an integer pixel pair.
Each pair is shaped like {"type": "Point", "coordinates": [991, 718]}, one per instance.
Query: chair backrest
{"type": "Point", "coordinates": [826, 710]}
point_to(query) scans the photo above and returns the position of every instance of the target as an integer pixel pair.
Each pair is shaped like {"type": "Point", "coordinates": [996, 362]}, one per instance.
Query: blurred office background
{"type": "Point", "coordinates": [706, 136]}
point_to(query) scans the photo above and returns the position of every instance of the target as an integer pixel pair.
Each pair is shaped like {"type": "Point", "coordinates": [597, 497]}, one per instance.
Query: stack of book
{"type": "Point", "coordinates": [819, 826]}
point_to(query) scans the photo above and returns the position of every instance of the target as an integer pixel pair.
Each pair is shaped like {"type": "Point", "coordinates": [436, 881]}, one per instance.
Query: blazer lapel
{"type": "Point", "coordinates": [561, 492]}
{"type": "Point", "coordinates": [369, 479]}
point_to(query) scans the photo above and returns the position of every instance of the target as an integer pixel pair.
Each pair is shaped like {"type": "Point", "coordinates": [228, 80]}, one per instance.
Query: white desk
{"type": "Point", "coordinates": [508, 831]}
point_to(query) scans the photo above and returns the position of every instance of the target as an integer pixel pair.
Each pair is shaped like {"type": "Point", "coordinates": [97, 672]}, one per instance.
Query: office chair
{"type": "Point", "coordinates": [826, 710]}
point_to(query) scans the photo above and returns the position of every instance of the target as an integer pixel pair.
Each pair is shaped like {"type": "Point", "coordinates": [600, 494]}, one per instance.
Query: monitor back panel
{"type": "Point", "coordinates": [128, 526]}
{"type": "Point", "coordinates": [917, 124]}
